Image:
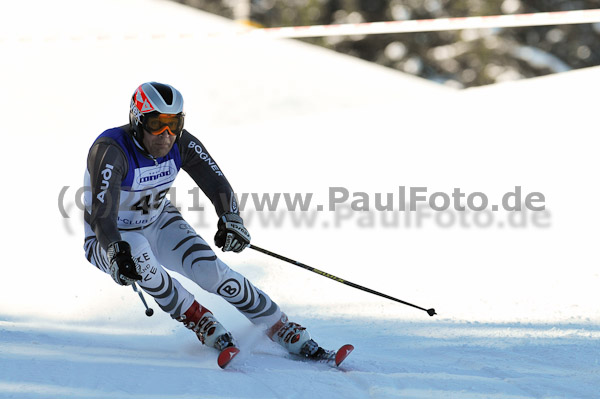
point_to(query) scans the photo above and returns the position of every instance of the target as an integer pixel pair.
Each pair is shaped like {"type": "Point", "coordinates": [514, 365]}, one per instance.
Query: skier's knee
{"type": "Point", "coordinates": [209, 274]}
{"type": "Point", "coordinates": [139, 244]}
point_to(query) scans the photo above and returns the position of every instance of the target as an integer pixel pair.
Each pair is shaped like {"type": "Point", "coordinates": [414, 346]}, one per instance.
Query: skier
{"type": "Point", "coordinates": [135, 234]}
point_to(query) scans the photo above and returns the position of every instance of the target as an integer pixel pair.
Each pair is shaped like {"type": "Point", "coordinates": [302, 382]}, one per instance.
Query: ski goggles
{"type": "Point", "coordinates": [156, 124]}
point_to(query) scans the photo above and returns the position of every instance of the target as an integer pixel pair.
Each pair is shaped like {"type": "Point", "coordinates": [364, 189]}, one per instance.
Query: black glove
{"type": "Point", "coordinates": [232, 235]}
{"type": "Point", "coordinates": [122, 264]}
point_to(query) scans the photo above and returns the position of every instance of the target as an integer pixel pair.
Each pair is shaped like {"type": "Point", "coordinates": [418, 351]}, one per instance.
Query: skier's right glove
{"type": "Point", "coordinates": [122, 264]}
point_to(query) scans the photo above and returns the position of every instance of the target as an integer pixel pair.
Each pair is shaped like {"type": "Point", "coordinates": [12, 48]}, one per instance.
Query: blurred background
{"type": "Point", "coordinates": [483, 110]}
{"type": "Point", "coordinates": [286, 116]}
{"type": "Point", "coordinates": [460, 59]}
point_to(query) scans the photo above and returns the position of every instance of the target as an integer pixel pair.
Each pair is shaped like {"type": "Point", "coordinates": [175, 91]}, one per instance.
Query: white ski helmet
{"type": "Point", "coordinates": [156, 107]}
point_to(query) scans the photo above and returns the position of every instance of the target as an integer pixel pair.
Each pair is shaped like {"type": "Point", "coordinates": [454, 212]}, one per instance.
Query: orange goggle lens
{"type": "Point", "coordinates": [157, 124]}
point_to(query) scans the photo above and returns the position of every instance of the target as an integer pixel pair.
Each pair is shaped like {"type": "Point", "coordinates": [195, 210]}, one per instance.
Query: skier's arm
{"type": "Point", "coordinates": [197, 162]}
{"type": "Point", "coordinates": [107, 166]}
{"type": "Point", "coordinates": [203, 169]}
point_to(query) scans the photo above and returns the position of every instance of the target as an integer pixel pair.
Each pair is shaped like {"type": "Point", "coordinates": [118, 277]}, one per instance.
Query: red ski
{"type": "Point", "coordinates": [226, 356]}
{"type": "Point", "coordinates": [322, 355]}
{"type": "Point", "coordinates": [328, 356]}
{"type": "Point", "coordinates": [343, 353]}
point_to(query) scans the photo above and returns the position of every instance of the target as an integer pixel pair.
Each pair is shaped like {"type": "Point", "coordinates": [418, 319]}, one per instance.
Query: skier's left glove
{"type": "Point", "coordinates": [232, 235]}
{"type": "Point", "coordinates": [122, 264]}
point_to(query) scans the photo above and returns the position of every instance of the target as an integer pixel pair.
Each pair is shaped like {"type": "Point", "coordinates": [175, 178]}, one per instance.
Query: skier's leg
{"type": "Point", "coordinates": [168, 293]}
{"type": "Point", "coordinates": [184, 251]}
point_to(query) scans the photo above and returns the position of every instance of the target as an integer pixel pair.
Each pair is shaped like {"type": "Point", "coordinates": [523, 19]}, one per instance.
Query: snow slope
{"type": "Point", "coordinates": [394, 359]}
{"type": "Point", "coordinates": [516, 297]}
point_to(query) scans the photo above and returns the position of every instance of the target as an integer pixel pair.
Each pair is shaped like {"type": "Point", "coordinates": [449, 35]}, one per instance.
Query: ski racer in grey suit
{"type": "Point", "coordinates": [135, 234]}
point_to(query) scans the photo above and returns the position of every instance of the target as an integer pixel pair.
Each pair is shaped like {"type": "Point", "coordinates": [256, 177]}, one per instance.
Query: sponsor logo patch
{"type": "Point", "coordinates": [229, 288]}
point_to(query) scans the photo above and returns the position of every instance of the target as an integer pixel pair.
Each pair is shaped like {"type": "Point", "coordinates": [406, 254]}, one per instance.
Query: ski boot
{"type": "Point", "coordinates": [296, 340]}
{"type": "Point", "coordinates": [208, 330]}
{"type": "Point", "coordinates": [293, 337]}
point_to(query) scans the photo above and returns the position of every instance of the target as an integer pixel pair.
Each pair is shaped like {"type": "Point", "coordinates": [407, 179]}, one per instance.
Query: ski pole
{"type": "Point", "coordinates": [430, 312]}
{"type": "Point", "coordinates": [149, 310]}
